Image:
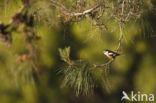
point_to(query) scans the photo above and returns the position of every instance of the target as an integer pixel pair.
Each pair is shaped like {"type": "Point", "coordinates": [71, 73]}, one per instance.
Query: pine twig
{"type": "Point", "coordinates": [123, 6]}
{"type": "Point", "coordinates": [102, 65]}
{"type": "Point", "coordinates": [120, 38]}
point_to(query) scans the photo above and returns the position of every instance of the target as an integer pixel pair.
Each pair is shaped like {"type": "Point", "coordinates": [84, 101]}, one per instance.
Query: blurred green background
{"type": "Point", "coordinates": [133, 72]}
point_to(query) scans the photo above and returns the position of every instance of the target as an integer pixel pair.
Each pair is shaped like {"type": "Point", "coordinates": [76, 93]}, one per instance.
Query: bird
{"type": "Point", "coordinates": [111, 55]}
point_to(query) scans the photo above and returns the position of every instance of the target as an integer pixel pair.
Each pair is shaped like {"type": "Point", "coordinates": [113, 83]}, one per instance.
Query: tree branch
{"type": "Point", "coordinates": [102, 65]}
{"type": "Point", "coordinates": [123, 6]}
{"type": "Point", "coordinates": [14, 18]}
{"type": "Point", "coordinates": [66, 12]}
{"type": "Point", "coordinates": [5, 35]}
{"type": "Point", "coordinates": [120, 38]}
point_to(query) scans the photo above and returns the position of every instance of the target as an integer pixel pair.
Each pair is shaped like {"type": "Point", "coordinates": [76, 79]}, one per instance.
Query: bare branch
{"type": "Point", "coordinates": [5, 35]}
{"type": "Point", "coordinates": [123, 6]}
{"type": "Point", "coordinates": [66, 12]}
{"type": "Point", "coordinates": [15, 17]}
{"type": "Point", "coordinates": [102, 65]}
{"type": "Point", "coordinates": [102, 12]}
{"type": "Point", "coordinates": [128, 15]}
{"type": "Point", "coordinates": [120, 38]}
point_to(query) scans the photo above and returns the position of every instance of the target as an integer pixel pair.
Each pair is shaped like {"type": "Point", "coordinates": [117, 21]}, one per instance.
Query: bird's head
{"type": "Point", "coordinates": [105, 52]}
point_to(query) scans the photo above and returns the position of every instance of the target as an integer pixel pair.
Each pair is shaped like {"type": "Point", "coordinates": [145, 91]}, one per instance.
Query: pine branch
{"type": "Point", "coordinates": [65, 55]}
{"type": "Point", "coordinates": [120, 38]}
{"type": "Point", "coordinates": [123, 6]}
{"type": "Point", "coordinates": [13, 20]}
{"type": "Point", "coordinates": [102, 65]}
{"type": "Point", "coordinates": [72, 14]}
{"type": "Point", "coordinates": [78, 74]}
{"type": "Point", "coordinates": [5, 35]}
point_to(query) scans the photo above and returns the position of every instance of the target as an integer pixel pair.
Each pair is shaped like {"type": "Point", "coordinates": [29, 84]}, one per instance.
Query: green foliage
{"type": "Point", "coordinates": [65, 55]}
{"type": "Point", "coordinates": [76, 74]}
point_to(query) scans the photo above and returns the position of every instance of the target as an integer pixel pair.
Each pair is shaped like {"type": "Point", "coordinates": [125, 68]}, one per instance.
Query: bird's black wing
{"type": "Point", "coordinates": [113, 53]}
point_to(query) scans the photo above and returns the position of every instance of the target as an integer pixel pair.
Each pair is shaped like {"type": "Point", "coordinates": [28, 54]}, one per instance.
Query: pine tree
{"type": "Point", "coordinates": [59, 43]}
